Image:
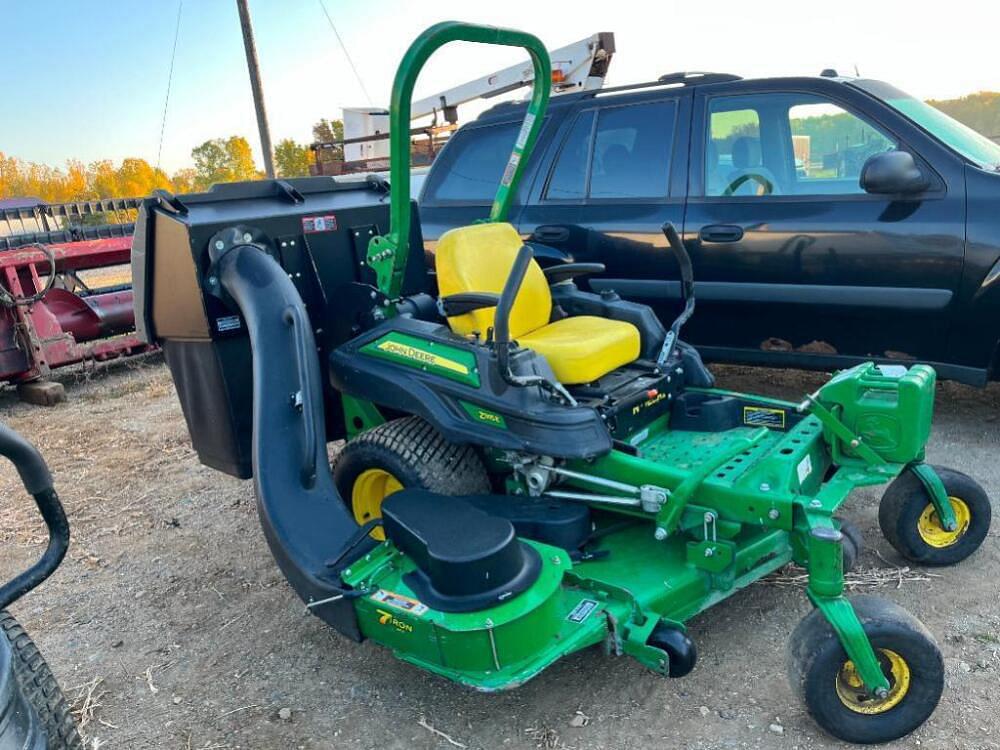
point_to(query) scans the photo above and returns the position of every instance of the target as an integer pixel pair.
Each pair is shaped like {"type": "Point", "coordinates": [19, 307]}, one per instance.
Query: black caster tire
{"type": "Point", "coordinates": [405, 452]}
{"type": "Point", "coordinates": [681, 651]}
{"type": "Point", "coordinates": [853, 544]}
{"type": "Point", "coordinates": [911, 525]}
{"type": "Point", "coordinates": [824, 678]}
{"type": "Point", "coordinates": [40, 688]}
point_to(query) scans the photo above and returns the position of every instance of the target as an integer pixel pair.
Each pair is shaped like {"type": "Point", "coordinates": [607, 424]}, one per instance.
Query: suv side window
{"type": "Point", "coordinates": [830, 147]}
{"type": "Point", "coordinates": [733, 139]}
{"type": "Point", "coordinates": [473, 164]}
{"type": "Point", "coordinates": [786, 144]}
{"type": "Point", "coordinates": [632, 151]}
{"type": "Point", "coordinates": [569, 177]}
{"type": "Point", "coordinates": [626, 155]}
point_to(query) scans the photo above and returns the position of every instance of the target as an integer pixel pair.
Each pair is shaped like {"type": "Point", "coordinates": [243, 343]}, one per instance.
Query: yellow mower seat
{"type": "Point", "coordinates": [579, 349]}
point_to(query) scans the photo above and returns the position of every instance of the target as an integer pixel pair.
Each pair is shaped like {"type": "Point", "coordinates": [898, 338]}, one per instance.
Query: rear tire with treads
{"type": "Point", "coordinates": [406, 453]}
{"type": "Point", "coordinates": [40, 687]}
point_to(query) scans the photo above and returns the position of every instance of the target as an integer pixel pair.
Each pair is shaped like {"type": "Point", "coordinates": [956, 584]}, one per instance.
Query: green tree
{"type": "Point", "coordinates": [326, 131]}
{"type": "Point", "coordinates": [223, 160]}
{"type": "Point", "coordinates": [329, 131]}
{"type": "Point", "coordinates": [210, 163]}
{"type": "Point", "coordinates": [291, 159]}
{"type": "Point", "coordinates": [979, 111]}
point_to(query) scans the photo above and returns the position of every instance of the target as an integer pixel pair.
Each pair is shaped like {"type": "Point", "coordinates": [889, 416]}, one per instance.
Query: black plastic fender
{"type": "Point", "coordinates": [304, 519]}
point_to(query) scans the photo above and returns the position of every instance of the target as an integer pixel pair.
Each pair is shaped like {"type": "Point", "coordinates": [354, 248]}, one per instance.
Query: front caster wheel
{"type": "Point", "coordinates": [680, 648]}
{"type": "Point", "coordinates": [835, 697]}
{"type": "Point", "coordinates": [911, 525]}
{"type": "Point", "coordinates": [853, 544]}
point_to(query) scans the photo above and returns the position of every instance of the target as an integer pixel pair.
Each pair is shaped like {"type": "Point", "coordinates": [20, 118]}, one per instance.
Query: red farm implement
{"type": "Point", "coordinates": [65, 290]}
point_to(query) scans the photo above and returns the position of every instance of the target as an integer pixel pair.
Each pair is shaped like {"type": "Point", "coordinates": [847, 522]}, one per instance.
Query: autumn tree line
{"type": "Point", "coordinates": [230, 159]}
{"type": "Point", "coordinates": [217, 160]}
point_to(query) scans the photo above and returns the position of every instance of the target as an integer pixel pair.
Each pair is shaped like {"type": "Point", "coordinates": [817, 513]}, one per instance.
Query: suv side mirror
{"type": "Point", "coordinates": [892, 173]}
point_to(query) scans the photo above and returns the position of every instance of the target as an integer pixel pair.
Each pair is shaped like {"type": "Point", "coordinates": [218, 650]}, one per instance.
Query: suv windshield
{"type": "Point", "coordinates": [963, 139]}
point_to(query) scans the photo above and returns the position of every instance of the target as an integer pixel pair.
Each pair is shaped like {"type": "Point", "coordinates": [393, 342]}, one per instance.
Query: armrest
{"type": "Point", "coordinates": [466, 302]}
{"type": "Point", "coordinates": [566, 271]}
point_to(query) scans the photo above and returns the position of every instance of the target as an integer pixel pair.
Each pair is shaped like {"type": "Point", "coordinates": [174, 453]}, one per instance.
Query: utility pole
{"type": "Point", "coordinates": [258, 90]}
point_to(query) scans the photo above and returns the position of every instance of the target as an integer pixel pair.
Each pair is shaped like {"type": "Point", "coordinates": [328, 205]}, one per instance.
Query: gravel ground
{"type": "Point", "coordinates": [172, 628]}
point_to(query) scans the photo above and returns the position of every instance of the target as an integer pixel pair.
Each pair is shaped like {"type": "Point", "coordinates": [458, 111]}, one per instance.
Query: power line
{"type": "Point", "coordinates": [346, 53]}
{"type": "Point", "coordinates": [170, 78]}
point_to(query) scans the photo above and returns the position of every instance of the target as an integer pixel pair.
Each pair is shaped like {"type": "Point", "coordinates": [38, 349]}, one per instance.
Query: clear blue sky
{"type": "Point", "coordinates": [86, 79]}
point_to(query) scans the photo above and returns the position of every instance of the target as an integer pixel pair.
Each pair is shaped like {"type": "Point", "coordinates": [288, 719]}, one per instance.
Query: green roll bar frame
{"type": "Point", "coordinates": [387, 254]}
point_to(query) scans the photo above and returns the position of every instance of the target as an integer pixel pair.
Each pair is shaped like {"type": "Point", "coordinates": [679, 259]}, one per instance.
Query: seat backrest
{"type": "Point", "coordinates": [478, 258]}
{"type": "Point", "coordinates": [746, 152]}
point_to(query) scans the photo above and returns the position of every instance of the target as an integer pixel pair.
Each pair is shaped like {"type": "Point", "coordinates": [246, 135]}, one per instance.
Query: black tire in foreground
{"type": "Point", "coordinates": [911, 525]}
{"type": "Point", "coordinates": [40, 688]}
{"type": "Point", "coordinates": [405, 452]}
{"type": "Point", "coordinates": [826, 681]}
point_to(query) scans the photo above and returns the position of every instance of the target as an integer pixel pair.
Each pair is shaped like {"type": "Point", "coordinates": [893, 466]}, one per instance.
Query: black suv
{"type": "Point", "coordinates": [830, 220]}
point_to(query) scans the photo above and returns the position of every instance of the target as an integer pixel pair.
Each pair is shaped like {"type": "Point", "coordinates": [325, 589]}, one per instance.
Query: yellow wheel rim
{"type": "Point", "coordinates": [852, 693]}
{"type": "Point", "coordinates": [930, 528]}
{"type": "Point", "coordinates": [370, 488]}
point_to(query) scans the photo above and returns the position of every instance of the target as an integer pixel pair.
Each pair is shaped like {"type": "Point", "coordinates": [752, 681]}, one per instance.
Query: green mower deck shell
{"type": "Point", "coordinates": [742, 503]}
{"type": "Point", "coordinates": [493, 649]}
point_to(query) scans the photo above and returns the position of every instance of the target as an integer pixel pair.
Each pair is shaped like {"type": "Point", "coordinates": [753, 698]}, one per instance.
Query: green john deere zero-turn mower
{"type": "Point", "coordinates": [530, 469]}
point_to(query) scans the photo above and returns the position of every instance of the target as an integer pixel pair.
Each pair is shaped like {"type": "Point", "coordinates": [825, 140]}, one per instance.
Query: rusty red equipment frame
{"type": "Point", "coordinates": [66, 325]}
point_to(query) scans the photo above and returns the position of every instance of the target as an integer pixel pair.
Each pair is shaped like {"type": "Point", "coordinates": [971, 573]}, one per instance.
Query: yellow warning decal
{"type": "Point", "coordinates": [419, 355]}
{"type": "Point", "coordinates": [762, 416]}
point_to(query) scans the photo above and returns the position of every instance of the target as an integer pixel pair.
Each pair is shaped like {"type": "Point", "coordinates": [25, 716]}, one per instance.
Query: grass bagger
{"type": "Point", "coordinates": [34, 714]}
{"type": "Point", "coordinates": [530, 469]}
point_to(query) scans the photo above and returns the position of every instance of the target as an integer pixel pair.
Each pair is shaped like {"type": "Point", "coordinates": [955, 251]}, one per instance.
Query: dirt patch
{"type": "Point", "coordinates": [172, 626]}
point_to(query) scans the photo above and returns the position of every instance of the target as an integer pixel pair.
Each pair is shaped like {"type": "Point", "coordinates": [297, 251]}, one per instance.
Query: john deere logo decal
{"type": "Point", "coordinates": [419, 355]}
{"type": "Point", "coordinates": [433, 357]}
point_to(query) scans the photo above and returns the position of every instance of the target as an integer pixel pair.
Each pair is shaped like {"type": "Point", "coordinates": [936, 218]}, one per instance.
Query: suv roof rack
{"type": "Point", "coordinates": [697, 76]}
{"type": "Point", "coordinates": [683, 78]}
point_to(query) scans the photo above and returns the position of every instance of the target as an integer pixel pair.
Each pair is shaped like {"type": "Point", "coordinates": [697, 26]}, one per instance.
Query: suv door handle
{"type": "Point", "coordinates": [721, 233]}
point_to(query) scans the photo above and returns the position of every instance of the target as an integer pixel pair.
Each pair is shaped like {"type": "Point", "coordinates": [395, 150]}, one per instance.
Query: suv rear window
{"type": "Point", "coordinates": [471, 166]}
{"type": "Point", "coordinates": [627, 155]}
